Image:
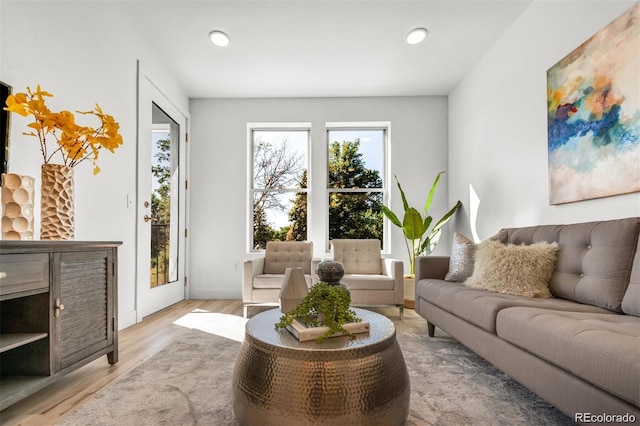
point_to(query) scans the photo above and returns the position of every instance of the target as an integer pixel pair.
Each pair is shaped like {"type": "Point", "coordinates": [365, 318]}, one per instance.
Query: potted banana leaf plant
{"type": "Point", "coordinates": [420, 237]}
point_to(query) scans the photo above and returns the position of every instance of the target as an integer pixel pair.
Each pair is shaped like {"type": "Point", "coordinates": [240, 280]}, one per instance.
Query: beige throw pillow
{"type": "Point", "coordinates": [510, 269]}
{"type": "Point", "coordinates": [462, 258]}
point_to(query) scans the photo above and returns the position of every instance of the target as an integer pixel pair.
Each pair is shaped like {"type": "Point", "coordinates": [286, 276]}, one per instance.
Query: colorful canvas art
{"type": "Point", "coordinates": [593, 100]}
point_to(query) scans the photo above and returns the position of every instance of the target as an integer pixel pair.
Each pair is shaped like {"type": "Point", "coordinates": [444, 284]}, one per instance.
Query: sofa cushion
{"type": "Point", "coordinates": [595, 258]}
{"type": "Point", "coordinates": [631, 299]}
{"type": "Point", "coordinates": [368, 282]}
{"type": "Point", "coordinates": [510, 269]}
{"type": "Point", "coordinates": [273, 280]}
{"type": "Point", "coordinates": [602, 349]}
{"type": "Point", "coordinates": [462, 258]}
{"type": "Point", "coordinates": [480, 307]}
{"type": "Point", "coordinates": [358, 256]}
{"type": "Point", "coordinates": [280, 255]}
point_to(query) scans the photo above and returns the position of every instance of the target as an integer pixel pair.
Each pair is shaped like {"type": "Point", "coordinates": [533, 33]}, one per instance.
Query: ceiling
{"type": "Point", "coordinates": [318, 48]}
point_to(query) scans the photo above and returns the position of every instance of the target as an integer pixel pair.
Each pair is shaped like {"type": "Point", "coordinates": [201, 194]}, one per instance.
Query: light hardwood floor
{"type": "Point", "coordinates": [136, 344]}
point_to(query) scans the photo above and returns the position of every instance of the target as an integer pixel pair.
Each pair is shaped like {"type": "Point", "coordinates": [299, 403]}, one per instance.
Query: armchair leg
{"type": "Point", "coordinates": [401, 309]}
{"type": "Point", "coordinates": [245, 310]}
{"type": "Point", "coordinates": [431, 329]}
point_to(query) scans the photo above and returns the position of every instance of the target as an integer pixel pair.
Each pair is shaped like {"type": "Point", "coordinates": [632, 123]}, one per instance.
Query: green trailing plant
{"type": "Point", "coordinates": [418, 238]}
{"type": "Point", "coordinates": [324, 305]}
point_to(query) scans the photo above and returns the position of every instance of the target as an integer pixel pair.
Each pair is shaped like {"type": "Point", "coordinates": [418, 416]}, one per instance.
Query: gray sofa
{"type": "Point", "coordinates": [580, 349]}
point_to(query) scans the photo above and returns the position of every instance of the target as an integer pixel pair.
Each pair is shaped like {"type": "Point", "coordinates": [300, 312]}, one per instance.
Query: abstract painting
{"type": "Point", "coordinates": [593, 111]}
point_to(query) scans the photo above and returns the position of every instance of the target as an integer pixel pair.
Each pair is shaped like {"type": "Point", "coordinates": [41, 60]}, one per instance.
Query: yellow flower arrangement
{"type": "Point", "coordinates": [76, 143]}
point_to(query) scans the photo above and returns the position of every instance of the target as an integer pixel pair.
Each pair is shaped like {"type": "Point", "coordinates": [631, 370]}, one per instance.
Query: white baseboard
{"type": "Point", "coordinates": [127, 320]}
{"type": "Point", "coordinates": [195, 293]}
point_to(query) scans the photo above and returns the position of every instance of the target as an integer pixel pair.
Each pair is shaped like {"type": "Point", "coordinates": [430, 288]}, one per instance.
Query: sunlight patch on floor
{"type": "Point", "coordinates": [223, 325]}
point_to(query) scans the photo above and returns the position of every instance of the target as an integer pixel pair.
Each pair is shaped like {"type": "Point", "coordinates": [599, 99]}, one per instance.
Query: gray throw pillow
{"type": "Point", "coordinates": [462, 258]}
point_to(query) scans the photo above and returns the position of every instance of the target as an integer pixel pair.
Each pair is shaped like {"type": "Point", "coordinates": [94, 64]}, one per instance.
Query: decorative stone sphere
{"type": "Point", "coordinates": [330, 271]}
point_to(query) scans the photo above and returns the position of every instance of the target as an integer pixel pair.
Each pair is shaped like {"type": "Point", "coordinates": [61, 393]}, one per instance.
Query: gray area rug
{"type": "Point", "coordinates": [189, 382]}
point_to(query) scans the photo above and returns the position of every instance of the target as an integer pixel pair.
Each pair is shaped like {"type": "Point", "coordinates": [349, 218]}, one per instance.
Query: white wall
{"type": "Point", "coordinates": [85, 55]}
{"type": "Point", "coordinates": [218, 185]}
{"type": "Point", "coordinates": [498, 122]}
{"type": "Point", "coordinates": [496, 132]}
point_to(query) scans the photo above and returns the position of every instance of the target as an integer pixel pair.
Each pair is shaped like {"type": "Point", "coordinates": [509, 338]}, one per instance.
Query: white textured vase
{"type": "Point", "coordinates": [293, 290]}
{"type": "Point", "coordinates": [56, 203]}
{"type": "Point", "coordinates": [17, 203]}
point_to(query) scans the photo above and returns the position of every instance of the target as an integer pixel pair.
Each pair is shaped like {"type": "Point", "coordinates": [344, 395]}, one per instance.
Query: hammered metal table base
{"type": "Point", "coordinates": [280, 381]}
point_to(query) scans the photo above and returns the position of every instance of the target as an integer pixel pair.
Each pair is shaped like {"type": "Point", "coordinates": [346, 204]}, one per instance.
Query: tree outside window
{"type": "Point", "coordinates": [279, 186]}
{"type": "Point", "coordinates": [355, 183]}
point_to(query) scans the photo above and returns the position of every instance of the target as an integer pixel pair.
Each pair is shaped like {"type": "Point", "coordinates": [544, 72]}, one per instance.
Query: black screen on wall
{"type": "Point", "coordinates": [5, 90]}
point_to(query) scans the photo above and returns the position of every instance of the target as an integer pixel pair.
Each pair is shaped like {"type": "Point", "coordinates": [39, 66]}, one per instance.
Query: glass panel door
{"type": "Point", "coordinates": [164, 198]}
{"type": "Point", "coordinates": [161, 200]}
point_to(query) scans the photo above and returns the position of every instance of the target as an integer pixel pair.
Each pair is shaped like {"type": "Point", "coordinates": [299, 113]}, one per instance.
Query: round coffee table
{"type": "Point", "coordinates": [278, 380]}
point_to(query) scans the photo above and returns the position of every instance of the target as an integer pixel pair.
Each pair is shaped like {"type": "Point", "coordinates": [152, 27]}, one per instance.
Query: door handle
{"type": "Point", "coordinates": [147, 218]}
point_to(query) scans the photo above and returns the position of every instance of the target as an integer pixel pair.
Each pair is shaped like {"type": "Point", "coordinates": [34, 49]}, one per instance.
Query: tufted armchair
{"type": "Point", "coordinates": [262, 276]}
{"type": "Point", "coordinates": [372, 279]}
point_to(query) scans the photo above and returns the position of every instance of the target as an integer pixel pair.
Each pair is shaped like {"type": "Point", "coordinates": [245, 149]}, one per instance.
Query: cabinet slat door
{"type": "Point", "coordinates": [82, 311]}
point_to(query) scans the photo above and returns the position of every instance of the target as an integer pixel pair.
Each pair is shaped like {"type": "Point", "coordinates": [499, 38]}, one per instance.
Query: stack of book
{"type": "Point", "coordinates": [304, 333]}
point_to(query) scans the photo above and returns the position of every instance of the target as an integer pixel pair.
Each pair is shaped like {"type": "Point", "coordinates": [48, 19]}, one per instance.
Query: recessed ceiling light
{"type": "Point", "coordinates": [416, 35]}
{"type": "Point", "coordinates": [219, 38]}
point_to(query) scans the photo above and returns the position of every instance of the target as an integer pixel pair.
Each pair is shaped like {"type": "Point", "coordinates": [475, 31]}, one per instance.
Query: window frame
{"type": "Point", "coordinates": [385, 126]}
{"type": "Point", "coordinates": [284, 127]}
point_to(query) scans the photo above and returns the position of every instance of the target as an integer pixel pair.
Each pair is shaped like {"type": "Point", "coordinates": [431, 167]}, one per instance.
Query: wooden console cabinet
{"type": "Point", "coordinates": [58, 311]}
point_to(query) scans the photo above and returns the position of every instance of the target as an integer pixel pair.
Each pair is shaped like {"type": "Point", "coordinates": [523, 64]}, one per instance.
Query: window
{"type": "Point", "coordinates": [165, 175]}
{"type": "Point", "coordinates": [356, 180]}
{"type": "Point", "coordinates": [279, 183]}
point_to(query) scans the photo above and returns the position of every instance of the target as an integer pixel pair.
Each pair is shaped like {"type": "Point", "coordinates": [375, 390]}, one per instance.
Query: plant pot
{"type": "Point", "coordinates": [409, 291]}
{"type": "Point", "coordinates": [56, 203]}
